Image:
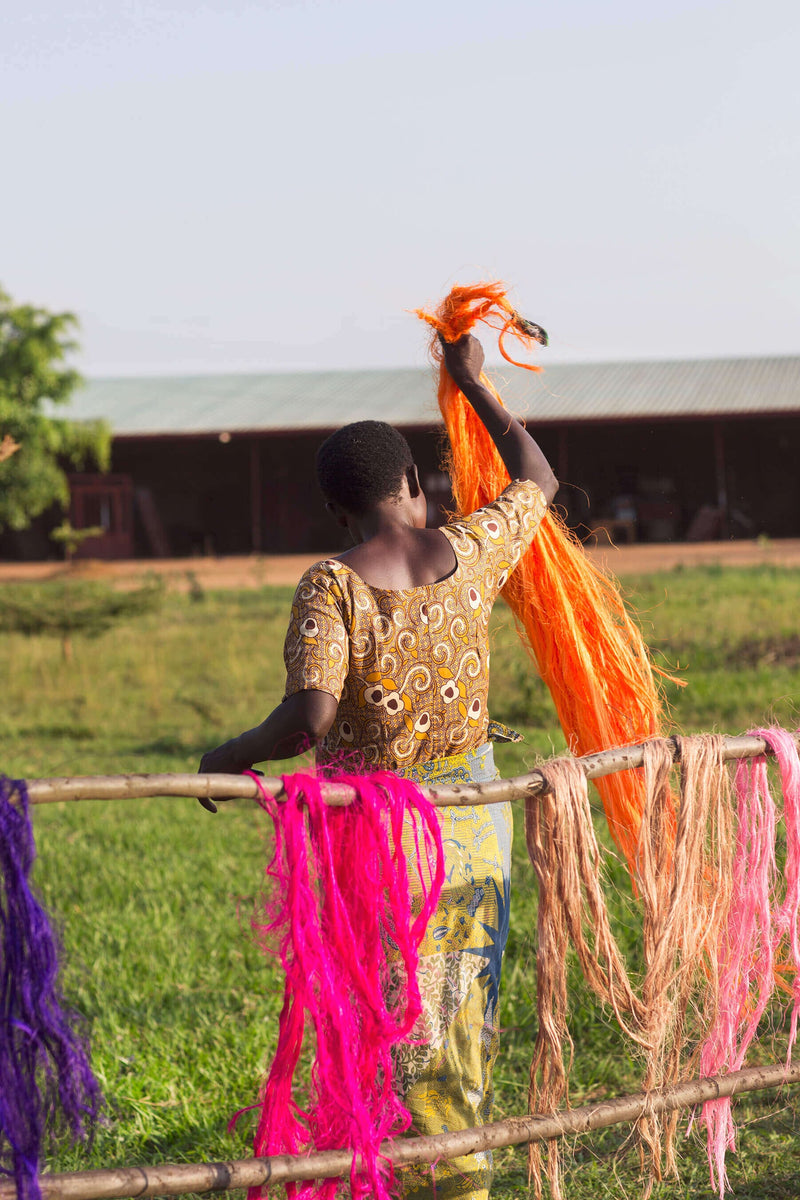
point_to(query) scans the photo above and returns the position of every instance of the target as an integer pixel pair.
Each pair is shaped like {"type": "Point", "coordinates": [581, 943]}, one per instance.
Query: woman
{"type": "Point", "coordinates": [387, 662]}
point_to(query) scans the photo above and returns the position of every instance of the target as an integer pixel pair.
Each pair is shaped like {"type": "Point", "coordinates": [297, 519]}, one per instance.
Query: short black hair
{"type": "Point", "coordinates": [362, 464]}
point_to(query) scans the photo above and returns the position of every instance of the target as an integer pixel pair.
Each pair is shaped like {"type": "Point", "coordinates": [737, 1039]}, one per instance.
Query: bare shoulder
{"type": "Point", "coordinates": [414, 559]}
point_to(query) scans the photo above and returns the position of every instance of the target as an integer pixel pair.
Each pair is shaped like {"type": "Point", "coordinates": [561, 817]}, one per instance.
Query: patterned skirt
{"type": "Point", "coordinates": [444, 1071]}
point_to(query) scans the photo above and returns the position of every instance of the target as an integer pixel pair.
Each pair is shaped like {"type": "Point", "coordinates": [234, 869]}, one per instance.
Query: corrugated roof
{"type": "Point", "coordinates": [296, 400]}
{"type": "Point", "coordinates": [325, 399]}
{"type": "Point", "coordinates": [693, 388]}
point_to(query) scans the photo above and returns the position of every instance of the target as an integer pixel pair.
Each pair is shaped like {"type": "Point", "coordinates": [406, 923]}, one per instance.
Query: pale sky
{"type": "Point", "coordinates": [258, 186]}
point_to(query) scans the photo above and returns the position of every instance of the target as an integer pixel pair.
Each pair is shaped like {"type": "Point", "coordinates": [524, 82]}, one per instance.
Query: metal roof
{"type": "Point", "coordinates": [325, 399]}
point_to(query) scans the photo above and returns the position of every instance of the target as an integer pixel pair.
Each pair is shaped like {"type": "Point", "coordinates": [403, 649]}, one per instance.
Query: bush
{"type": "Point", "coordinates": [61, 609]}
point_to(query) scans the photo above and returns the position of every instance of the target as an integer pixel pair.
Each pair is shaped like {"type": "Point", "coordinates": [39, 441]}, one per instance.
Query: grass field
{"type": "Point", "coordinates": [154, 896]}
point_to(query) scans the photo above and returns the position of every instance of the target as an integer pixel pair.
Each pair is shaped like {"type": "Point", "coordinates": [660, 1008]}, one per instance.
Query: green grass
{"type": "Point", "coordinates": [154, 896]}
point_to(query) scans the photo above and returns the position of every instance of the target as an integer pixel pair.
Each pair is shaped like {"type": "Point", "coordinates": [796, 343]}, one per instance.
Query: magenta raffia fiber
{"type": "Point", "coordinates": [338, 913]}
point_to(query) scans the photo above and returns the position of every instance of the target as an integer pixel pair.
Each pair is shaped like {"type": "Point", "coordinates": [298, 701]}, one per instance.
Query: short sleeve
{"type": "Point", "coordinates": [317, 647]}
{"type": "Point", "coordinates": [502, 531]}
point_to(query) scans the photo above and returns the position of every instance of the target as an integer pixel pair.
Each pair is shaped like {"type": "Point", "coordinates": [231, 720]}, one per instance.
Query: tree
{"type": "Point", "coordinates": [71, 538]}
{"type": "Point", "coordinates": [61, 608]}
{"type": "Point", "coordinates": [36, 446]}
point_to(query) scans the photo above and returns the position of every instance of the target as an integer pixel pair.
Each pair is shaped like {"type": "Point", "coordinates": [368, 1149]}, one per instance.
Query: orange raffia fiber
{"type": "Point", "coordinates": [570, 614]}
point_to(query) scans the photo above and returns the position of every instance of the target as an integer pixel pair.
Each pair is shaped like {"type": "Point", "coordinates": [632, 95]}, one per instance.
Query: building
{"type": "Point", "coordinates": [653, 451]}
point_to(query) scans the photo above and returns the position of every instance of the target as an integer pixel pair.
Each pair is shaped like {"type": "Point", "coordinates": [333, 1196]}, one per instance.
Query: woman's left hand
{"type": "Point", "coordinates": [463, 359]}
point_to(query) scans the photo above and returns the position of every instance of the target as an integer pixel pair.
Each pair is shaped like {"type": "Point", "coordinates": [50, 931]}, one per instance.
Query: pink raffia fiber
{"type": "Point", "coordinates": [338, 913]}
{"type": "Point", "coordinates": [759, 926]}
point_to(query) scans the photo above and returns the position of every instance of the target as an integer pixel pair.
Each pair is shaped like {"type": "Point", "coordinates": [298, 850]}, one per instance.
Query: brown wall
{"type": "Point", "coordinates": [258, 492]}
{"type": "Point", "coordinates": [685, 465]}
{"type": "Point", "coordinates": [672, 468]}
{"type": "Point", "coordinates": [200, 490]}
{"type": "Point", "coordinates": [254, 492]}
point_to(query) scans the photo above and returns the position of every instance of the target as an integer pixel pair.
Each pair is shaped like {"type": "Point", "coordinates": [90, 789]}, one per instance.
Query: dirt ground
{"type": "Point", "coordinates": [259, 570]}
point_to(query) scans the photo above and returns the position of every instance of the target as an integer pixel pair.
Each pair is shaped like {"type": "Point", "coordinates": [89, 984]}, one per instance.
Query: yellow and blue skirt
{"type": "Point", "coordinates": [444, 1072]}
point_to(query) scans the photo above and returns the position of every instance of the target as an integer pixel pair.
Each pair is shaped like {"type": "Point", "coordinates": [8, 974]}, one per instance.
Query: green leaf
{"type": "Point", "coordinates": [34, 345]}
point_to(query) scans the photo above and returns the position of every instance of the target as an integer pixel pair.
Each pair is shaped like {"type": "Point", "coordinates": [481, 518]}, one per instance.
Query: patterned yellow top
{"type": "Point", "coordinates": [409, 668]}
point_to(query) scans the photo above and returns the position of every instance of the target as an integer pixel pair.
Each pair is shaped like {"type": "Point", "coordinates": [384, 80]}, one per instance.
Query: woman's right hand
{"type": "Point", "coordinates": [463, 359]}
{"type": "Point", "coordinates": [223, 761]}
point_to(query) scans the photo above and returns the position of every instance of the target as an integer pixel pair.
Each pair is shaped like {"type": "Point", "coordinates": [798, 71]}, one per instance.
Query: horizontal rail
{"type": "Point", "coordinates": [175, 1179]}
{"type": "Point", "coordinates": [231, 787]}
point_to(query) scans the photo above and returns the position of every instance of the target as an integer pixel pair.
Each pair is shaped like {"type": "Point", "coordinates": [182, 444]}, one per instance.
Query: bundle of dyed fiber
{"type": "Point", "coordinates": [761, 930]}
{"type": "Point", "coordinates": [683, 916]}
{"type": "Point", "coordinates": [685, 892]}
{"type": "Point", "coordinates": [566, 857]}
{"type": "Point", "coordinates": [340, 917]}
{"type": "Point", "coordinates": [716, 921]}
{"type": "Point", "coordinates": [571, 616]}
{"type": "Point", "coordinates": [46, 1083]}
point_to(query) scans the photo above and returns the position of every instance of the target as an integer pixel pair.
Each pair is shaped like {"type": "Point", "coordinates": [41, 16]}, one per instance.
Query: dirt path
{"type": "Point", "coordinates": [257, 570]}
{"type": "Point", "coordinates": [636, 560]}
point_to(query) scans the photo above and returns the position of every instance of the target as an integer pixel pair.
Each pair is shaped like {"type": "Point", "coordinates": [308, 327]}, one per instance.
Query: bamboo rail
{"type": "Point", "coordinates": [230, 787]}
{"type": "Point", "coordinates": [175, 1179]}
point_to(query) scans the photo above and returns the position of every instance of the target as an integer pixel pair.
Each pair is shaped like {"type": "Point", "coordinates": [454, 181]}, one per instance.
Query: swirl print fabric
{"type": "Point", "coordinates": [409, 668]}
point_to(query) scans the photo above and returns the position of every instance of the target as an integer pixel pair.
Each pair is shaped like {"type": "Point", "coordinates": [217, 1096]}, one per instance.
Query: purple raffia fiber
{"type": "Point", "coordinates": [46, 1083]}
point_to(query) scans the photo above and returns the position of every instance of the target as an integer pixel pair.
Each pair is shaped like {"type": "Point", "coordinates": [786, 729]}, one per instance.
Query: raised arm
{"type": "Point", "coordinates": [522, 457]}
